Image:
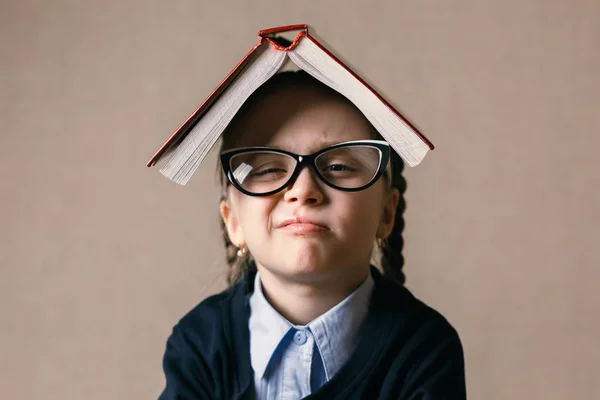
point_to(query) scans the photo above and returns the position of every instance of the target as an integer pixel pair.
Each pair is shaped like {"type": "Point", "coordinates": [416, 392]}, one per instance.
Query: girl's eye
{"type": "Point", "coordinates": [338, 168]}
{"type": "Point", "coordinates": [268, 171]}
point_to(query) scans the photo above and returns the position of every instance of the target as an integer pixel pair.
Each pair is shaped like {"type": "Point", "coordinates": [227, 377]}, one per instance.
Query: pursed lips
{"type": "Point", "coordinates": [299, 225]}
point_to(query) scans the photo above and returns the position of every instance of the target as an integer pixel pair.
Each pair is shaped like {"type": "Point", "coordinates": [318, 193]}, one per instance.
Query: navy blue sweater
{"type": "Point", "coordinates": [406, 350]}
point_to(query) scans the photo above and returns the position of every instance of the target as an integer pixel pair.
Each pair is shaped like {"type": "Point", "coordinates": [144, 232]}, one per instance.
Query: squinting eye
{"type": "Point", "coordinates": [268, 171]}
{"type": "Point", "coordinates": [338, 168]}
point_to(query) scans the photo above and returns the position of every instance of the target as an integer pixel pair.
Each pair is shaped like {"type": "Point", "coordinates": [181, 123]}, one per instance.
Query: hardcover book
{"type": "Point", "coordinates": [183, 152]}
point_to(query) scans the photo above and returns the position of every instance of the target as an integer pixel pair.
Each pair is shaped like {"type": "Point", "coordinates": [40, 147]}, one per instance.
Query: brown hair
{"type": "Point", "coordinates": [392, 260]}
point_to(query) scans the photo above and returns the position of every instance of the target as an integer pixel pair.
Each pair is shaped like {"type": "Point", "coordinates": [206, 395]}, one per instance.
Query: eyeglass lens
{"type": "Point", "coordinates": [346, 167]}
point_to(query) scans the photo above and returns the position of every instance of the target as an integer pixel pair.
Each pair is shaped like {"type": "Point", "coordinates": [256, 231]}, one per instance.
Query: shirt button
{"type": "Point", "coordinates": [300, 338]}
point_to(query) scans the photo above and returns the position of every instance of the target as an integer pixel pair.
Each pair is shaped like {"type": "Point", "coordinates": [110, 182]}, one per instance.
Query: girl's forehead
{"type": "Point", "coordinates": [301, 123]}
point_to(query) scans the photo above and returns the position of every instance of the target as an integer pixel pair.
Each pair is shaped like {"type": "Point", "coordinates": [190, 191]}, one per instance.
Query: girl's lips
{"type": "Point", "coordinates": [303, 228]}
{"type": "Point", "coordinates": [300, 225]}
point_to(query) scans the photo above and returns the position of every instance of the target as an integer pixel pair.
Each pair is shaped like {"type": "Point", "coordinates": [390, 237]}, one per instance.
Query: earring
{"type": "Point", "coordinates": [242, 251]}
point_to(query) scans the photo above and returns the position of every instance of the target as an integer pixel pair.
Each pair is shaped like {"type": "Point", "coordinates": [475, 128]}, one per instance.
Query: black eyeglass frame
{"type": "Point", "coordinates": [307, 160]}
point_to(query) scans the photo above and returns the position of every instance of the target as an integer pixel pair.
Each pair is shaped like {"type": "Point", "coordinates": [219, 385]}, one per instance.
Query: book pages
{"type": "Point", "coordinates": [401, 136]}
{"type": "Point", "coordinates": [185, 159]}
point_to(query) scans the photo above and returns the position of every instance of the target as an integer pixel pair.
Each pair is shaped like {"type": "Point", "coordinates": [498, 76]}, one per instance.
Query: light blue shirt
{"type": "Point", "coordinates": [291, 361]}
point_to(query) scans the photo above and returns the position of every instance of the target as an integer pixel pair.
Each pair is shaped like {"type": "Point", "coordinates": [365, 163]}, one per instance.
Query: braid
{"type": "Point", "coordinates": [392, 260]}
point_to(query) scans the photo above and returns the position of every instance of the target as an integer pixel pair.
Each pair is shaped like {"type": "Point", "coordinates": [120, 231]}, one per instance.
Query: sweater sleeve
{"type": "Point", "coordinates": [188, 376]}
{"type": "Point", "coordinates": [440, 374]}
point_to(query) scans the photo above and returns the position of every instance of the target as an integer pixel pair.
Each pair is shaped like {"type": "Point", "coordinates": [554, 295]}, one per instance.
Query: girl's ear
{"type": "Point", "coordinates": [231, 223]}
{"type": "Point", "coordinates": [388, 214]}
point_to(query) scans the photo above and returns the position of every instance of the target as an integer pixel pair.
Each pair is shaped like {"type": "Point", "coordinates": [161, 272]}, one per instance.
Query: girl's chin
{"type": "Point", "coordinates": [309, 257]}
{"type": "Point", "coordinates": [302, 263]}
{"type": "Point", "coordinates": [310, 265]}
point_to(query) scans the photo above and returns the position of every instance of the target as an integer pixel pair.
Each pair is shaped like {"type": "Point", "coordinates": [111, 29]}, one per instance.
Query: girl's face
{"type": "Point", "coordinates": [336, 236]}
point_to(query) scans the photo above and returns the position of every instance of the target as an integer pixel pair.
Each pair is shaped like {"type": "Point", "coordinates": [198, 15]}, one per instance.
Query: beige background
{"type": "Point", "coordinates": [100, 256]}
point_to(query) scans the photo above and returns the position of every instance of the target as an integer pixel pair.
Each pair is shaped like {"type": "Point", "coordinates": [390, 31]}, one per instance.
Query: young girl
{"type": "Point", "coordinates": [309, 188]}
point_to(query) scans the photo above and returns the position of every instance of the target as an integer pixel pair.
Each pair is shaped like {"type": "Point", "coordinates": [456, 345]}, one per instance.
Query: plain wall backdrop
{"type": "Point", "coordinates": [100, 256]}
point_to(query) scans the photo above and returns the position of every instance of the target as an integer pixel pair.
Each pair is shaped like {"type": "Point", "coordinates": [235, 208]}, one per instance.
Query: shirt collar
{"type": "Point", "coordinates": [267, 328]}
{"type": "Point", "coordinates": [335, 331]}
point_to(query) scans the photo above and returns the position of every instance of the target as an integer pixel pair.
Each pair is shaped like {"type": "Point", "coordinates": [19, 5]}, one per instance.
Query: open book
{"type": "Point", "coordinates": [186, 148]}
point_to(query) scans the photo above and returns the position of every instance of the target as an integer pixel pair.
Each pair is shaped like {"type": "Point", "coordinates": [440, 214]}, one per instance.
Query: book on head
{"type": "Point", "coordinates": [186, 148]}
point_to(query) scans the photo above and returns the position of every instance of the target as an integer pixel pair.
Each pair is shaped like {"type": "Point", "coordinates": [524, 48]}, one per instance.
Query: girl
{"type": "Point", "coordinates": [309, 187]}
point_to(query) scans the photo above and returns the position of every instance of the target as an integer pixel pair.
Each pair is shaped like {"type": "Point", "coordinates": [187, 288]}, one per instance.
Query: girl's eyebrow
{"type": "Point", "coordinates": [312, 148]}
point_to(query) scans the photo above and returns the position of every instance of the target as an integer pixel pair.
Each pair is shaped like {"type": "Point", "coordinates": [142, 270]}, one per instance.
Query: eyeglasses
{"type": "Point", "coordinates": [348, 166]}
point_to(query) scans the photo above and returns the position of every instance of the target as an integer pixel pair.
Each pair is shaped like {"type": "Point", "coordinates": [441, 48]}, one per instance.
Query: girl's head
{"type": "Point", "coordinates": [309, 230]}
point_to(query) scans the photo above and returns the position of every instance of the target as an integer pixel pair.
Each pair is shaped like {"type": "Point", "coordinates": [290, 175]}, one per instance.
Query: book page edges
{"type": "Point", "coordinates": [200, 139]}
{"type": "Point", "coordinates": [372, 90]}
{"type": "Point", "coordinates": [192, 120]}
{"type": "Point", "coordinates": [401, 135]}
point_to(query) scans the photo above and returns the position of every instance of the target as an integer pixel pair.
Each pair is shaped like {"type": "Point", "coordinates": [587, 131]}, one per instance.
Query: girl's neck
{"type": "Point", "coordinates": [301, 302]}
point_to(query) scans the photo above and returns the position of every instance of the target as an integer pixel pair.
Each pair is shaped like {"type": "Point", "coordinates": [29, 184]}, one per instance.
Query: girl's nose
{"type": "Point", "coordinates": [305, 188]}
